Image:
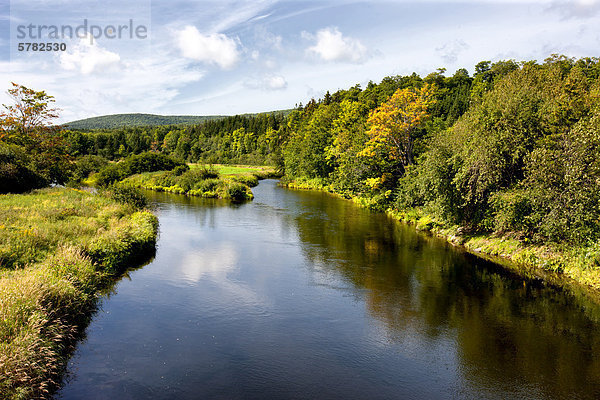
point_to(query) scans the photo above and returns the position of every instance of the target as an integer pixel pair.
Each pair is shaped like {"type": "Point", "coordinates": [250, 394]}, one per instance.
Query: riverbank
{"type": "Point", "coordinates": [547, 261]}
{"type": "Point", "coordinates": [58, 249]}
{"type": "Point", "coordinates": [214, 181]}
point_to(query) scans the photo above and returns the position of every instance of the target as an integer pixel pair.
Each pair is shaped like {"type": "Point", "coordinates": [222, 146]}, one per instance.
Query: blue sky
{"type": "Point", "coordinates": [231, 57]}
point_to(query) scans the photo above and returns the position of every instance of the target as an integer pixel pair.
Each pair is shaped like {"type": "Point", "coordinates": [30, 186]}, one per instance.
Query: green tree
{"type": "Point", "coordinates": [28, 124]}
{"type": "Point", "coordinates": [350, 136]}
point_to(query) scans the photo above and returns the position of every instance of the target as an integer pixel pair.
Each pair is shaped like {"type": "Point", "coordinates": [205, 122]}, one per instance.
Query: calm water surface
{"type": "Point", "coordinates": [299, 295]}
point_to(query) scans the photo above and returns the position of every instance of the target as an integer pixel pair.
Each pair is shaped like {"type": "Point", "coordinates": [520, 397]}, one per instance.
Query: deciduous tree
{"type": "Point", "coordinates": [392, 125]}
{"type": "Point", "coordinates": [29, 124]}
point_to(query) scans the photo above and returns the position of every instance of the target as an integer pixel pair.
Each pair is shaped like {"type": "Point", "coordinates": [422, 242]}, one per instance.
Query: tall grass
{"type": "Point", "coordinates": [58, 248]}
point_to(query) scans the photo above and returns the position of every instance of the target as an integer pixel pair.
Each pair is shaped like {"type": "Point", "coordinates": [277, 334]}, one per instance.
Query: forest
{"type": "Point", "coordinates": [511, 149]}
{"type": "Point", "coordinates": [121, 120]}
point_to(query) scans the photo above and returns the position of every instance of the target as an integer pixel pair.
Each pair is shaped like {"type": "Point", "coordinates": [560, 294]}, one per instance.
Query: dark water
{"type": "Point", "coordinates": [299, 295]}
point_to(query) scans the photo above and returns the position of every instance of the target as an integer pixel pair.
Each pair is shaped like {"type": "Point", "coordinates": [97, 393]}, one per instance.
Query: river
{"type": "Point", "coordinates": [301, 295]}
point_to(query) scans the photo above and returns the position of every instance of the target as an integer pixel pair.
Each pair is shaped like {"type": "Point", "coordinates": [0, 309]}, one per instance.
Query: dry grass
{"type": "Point", "coordinates": [58, 248]}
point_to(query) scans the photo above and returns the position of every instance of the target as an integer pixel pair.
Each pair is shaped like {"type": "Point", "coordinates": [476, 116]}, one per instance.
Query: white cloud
{"type": "Point", "coordinates": [270, 64]}
{"type": "Point", "coordinates": [267, 82]}
{"type": "Point", "coordinates": [88, 57]}
{"type": "Point", "coordinates": [142, 84]}
{"type": "Point", "coordinates": [213, 263]}
{"type": "Point", "coordinates": [276, 82]}
{"type": "Point", "coordinates": [266, 39]}
{"type": "Point", "coordinates": [331, 45]}
{"type": "Point", "coordinates": [579, 9]}
{"type": "Point", "coordinates": [213, 48]}
{"type": "Point", "coordinates": [450, 51]}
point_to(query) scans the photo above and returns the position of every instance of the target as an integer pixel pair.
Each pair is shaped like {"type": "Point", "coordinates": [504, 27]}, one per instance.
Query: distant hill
{"type": "Point", "coordinates": [123, 120]}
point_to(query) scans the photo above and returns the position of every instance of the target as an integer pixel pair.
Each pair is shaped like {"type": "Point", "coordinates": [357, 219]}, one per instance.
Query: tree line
{"type": "Point", "coordinates": [243, 139]}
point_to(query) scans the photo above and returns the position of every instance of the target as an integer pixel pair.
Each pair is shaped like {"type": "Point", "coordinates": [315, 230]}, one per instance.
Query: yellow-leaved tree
{"type": "Point", "coordinates": [393, 123]}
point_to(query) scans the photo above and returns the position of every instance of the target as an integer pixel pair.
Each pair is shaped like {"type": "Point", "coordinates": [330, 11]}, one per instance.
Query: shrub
{"type": "Point", "coordinates": [206, 172]}
{"type": "Point", "coordinates": [180, 170]}
{"type": "Point", "coordinates": [190, 179]}
{"type": "Point", "coordinates": [511, 211]}
{"type": "Point", "coordinates": [86, 165]}
{"type": "Point", "coordinates": [127, 195]}
{"type": "Point", "coordinates": [237, 191]}
{"type": "Point", "coordinates": [207, 185]}
{"type": "Point", "coordinates": [136, 164]}
{"type": "Point", "coordinates": [250, 180]}
{"type": "Point", "coordinates": [150, 162]}
{"type": "Point", "coordinates": [15, 174]}
{"type": "Point", "coordinates": [112, 173]}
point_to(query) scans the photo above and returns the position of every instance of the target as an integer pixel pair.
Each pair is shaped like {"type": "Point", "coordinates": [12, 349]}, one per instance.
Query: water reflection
{"type": "Point", "coordinates": [302, 295]}
{"type": "Point", "coordinates": [511, 334]}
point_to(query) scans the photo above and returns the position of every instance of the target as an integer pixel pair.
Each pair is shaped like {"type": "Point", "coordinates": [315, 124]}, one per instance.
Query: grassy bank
{"type": "Point", "coordinates": [543, 260]}
{"type": "Point", "coordinates": [215, 181]}
{"type": "Point", "coordinates": [261, 172]}
{"type": "Point", "coordinates": [58, 249]}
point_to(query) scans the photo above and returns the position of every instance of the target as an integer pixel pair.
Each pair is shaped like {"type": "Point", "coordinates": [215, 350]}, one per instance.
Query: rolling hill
{"type": "Point", "coordinates": [123, 120]}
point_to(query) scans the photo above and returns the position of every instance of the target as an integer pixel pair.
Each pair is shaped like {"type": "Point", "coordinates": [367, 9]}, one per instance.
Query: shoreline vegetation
{"type": "Point", "coordinates": [231, 182]}
{"type": "Point", "coordinates": [59, 249]}
{"type": "Point", "coordinates": [575, 267]}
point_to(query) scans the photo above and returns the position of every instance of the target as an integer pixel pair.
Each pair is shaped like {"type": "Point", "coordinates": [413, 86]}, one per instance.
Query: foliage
{"type": "Point", "coordinates": [180, 170]}
{"type": "Point", "coordinates": [253, 139]}
{"type": "Point", "coordinates": [392, 124]}
{"type": "Point", "coordinates": [202, 182]}
{"type": "Point", "coordinates": [110, 174]}
{"type": "Point", "coordinates": [520, 159]}
{"type": "Point", "coordinates": [16, 175]}
{"type": "Point", "coordinates": [563, 184]}
{"type": "Point", "coordinates": [132, 120]}
{"type": "Point", "coordinates": [237, 191]}
{"type": "Point", "coordinates": [512, 149]}
{"type": "Point", "coordinates": [349, 138]}
{"type": "Point", "coordinates": [127, 195]}
{"type": "Point", "coordinates": [135, 164]}
{"type": "Point", "coordinates": [305, 150]}
{"type": "Point", "coordinates": [27, 125]}
{"type": "Point", "coordinates": [86, 165]}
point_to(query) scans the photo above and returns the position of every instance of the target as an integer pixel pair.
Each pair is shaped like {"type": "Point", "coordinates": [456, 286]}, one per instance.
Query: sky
{"type": "Point", "coordinates": [230, 57]}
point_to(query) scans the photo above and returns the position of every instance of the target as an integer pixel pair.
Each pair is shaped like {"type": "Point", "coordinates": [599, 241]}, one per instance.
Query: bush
{"type": "Point", "coordinates": [190, 179]}
{"type": "Point", "coordinates": [180, 170]}
{"type": "Point", "coordinates": [250, 180]}
{"type": "Point", "coordinates": [127, 195]}
{"type": "Point", "coordinates": [86, 165]}
{"type": "Point", "coordinates": [237, 191]}
{"type": "Point", "coordinates": [136, 164]}
{"type": "Point", "coordinates": [206, 172]}
{"type": "Point", "coordinates": [150, 162]}
{"type": "Point", "coordinates": [511, 211]}
{"type": "Point", "coordinates": [207, 185]}
{"type": "Point", "coordinates": [112, 173]}
{"type": "Point", "coordinates": [563, 179]}
{"type": "Point", "coordinates": [15, 174]}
